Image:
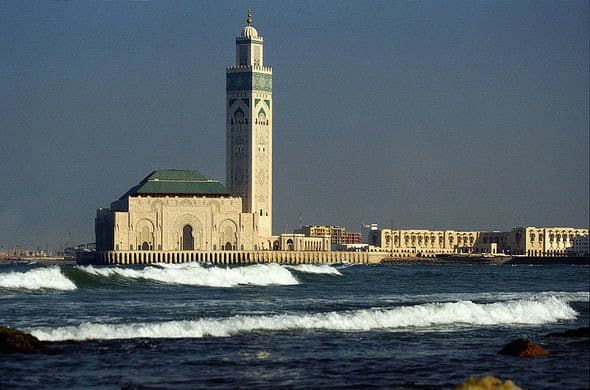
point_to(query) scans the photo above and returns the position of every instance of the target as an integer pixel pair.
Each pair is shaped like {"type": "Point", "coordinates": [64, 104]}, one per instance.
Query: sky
{"type": "Point", "coordinates": [412, 114]}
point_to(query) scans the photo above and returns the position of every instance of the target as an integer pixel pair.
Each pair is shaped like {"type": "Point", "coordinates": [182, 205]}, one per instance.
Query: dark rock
{"type": "Point", "coordinates": [523, 348]}
{"type": "Point", "coordinates": [580, 332]}
{"type": "Point", "coordinates": [15, 341]}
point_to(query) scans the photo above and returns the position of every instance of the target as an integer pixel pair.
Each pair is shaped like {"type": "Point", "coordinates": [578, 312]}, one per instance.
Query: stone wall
{"type": "Point", "coordinates": [234, 257]}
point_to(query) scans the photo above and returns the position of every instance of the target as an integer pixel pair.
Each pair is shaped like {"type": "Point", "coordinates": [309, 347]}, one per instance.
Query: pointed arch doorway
{"type": "Point", "coordinates": [188, 241]}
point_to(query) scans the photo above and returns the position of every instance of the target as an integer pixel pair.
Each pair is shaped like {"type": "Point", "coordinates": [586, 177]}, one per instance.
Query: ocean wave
{"type": "Point", "coordinates": [482, 297]}
{"type": "Point", "coordinates": [37, 279]}
{"type": "Point", "coordinates": [315, 269]}
{"type": "Point", "coordinates": [198, 275]}
{"type": "Point", "coordinates": [424, 316]}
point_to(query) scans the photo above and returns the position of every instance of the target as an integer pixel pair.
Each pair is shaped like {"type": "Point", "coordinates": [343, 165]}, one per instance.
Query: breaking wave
{"type": "Point", "coordinates": [315, 269]}
{"type": "Point", "coordinates": [194, 274]}
{"type": "Point", "coordinates": [424, 316]}
{"type": "Point", "coordinates": [198, 275]}
{"type": "Point", "coordinates": [37, 279]}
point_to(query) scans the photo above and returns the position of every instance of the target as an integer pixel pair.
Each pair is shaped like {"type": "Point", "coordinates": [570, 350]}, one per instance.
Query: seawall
{"type": "Point", "coordinates": [572, 260]}
{"type": "Point", "coordinates": [303, 257]}
{"type": "Point", "coordinates": [227, 257]}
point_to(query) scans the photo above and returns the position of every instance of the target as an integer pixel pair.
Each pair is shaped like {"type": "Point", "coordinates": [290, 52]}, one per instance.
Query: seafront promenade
{"type": "Point", "coordinates": [229, 257]}
{"type": "Point", "coordinates": [283, 257]}
{"type": "Point", "coordinates": [303, 257]}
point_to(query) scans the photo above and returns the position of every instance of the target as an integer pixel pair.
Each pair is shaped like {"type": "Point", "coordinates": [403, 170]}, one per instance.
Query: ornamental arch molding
{"type": "Point", "coordinates": [228, 235]}
{"type": "Point", "coordinates": [181, 231]}
{"type": "Point", "coordinates": [144, 234]}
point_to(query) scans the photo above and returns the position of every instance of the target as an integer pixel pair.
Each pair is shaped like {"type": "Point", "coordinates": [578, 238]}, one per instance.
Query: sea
{"type": "Point", "coordinates": [186, 326]}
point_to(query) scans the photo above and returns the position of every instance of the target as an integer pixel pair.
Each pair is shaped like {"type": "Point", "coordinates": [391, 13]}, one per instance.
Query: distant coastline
{"type": "Point", "coordinates": [49, 260]}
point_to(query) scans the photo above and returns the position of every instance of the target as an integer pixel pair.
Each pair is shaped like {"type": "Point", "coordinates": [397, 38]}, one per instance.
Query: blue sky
{"type": "Point", "coordinates": [430, 114]}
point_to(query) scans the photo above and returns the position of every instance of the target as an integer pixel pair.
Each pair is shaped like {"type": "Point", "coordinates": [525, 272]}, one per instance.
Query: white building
{"type": "Point", "coordinates": [521, 241]}
{"type": "Point", "coordinates": [180, 210]}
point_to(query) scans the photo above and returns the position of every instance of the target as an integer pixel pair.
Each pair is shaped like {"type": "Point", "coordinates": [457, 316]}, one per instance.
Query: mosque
{"type": "Point", "coordinates": [180, 215]}
{"type": "Point", "coordinates": [175, 216]}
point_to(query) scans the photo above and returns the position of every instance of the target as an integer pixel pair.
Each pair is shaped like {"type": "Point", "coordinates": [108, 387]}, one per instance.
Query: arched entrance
{"type": "Point", "coordinates": [290, 245]}
{"type": "Point", "coordinates": [188, 241]}
{"type": "Point", "coordinates": [145, 246]}
{"type": "Point", "coordinates": [228, 238]}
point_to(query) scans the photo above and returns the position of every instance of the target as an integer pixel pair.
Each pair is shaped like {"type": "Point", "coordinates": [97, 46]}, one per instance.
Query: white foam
{"type": "Point", "coordinates": [579, 296]}
{"type": "Point", "coordinates": [315, 269]}
{"type": "Point", "coordinates": [37, 279]}
{"type": "Point", "coordinates": [451, 314]}
{"type": "Point", "coordinates": [198, 275]}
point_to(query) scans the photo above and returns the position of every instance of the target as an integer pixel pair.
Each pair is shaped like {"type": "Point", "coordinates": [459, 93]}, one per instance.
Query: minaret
{"type": "Point", "coordinates": [249, 128]}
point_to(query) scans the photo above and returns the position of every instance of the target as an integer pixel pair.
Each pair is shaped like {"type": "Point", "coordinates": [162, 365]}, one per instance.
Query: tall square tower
{"type": "Point", "coordinates": [249, 128]}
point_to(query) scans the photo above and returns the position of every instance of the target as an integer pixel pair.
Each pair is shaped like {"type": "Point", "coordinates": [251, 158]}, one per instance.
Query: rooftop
{"type": "Point", "coordinates": [177, 182]}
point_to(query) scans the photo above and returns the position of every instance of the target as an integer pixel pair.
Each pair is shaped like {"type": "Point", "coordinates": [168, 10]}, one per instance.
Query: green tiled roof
{"type": "Point", "coordinates": [177, 182]}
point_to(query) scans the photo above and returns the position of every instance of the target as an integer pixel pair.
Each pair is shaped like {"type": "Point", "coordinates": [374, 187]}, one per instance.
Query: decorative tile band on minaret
{"type": "Point", "coordinates": [249, 128]}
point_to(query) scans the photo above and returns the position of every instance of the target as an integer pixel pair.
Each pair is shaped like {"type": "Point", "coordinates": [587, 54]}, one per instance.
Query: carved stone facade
{"type": "Point", "coordinates": [249, 128]}
{"type": "Point", "coordinates": [174, 210]}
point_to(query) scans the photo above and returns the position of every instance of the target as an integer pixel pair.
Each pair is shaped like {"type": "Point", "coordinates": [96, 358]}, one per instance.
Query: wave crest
{"type": "Point", "coordinates": [37, 279]}
{"type": "Point", "coordinates": [198, 275]}
{"type": "Point", "coordinates": [315, 269]}
{"type": "Point", "coordinates": [424, 316]}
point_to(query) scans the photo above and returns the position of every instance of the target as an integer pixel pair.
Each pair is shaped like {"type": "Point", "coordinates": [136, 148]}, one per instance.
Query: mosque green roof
{"type": "Point", "coordinates": [177, 182]}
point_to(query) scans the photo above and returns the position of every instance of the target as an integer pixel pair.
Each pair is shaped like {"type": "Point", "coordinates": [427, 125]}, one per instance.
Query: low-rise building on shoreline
{"type": "Point", "coordinates": [520, 241]}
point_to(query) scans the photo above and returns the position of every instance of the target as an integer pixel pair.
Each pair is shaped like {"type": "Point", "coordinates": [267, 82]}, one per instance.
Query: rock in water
{"type": "Point", "coordinates": [523, 348]}
{"type": "Point", "coordinates": [15, 341]}
{"type": "Point", "coordinates": [486, 383]}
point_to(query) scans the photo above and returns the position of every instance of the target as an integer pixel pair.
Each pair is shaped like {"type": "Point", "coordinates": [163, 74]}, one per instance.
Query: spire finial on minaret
{"type": "Point", "coordinates": [249, 20]}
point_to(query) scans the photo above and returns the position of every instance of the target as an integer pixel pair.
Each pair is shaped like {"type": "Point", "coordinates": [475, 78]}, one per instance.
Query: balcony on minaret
{"type": "Point", "coordinates": [255, 68]}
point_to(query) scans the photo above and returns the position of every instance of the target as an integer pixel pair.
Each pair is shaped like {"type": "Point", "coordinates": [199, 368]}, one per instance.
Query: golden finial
{"type": "Point", "coordinates": [249, 20]}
